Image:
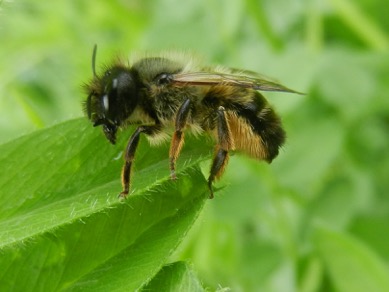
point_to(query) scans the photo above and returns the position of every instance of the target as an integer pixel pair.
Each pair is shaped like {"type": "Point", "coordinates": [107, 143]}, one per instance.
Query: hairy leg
{"type": "Point", "coordinates": [225, 143]}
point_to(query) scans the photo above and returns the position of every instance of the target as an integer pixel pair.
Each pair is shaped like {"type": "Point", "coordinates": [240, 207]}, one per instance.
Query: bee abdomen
{"type": "Point", "coordinates": [257, 132]}
{"type": "Point", "coordinates": [268, 125]}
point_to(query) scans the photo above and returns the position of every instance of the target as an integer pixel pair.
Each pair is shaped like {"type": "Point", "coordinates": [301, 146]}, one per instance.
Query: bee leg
{"type": "Point", "coordinates": [225, 144]}
{"type": "Point", "coordinates": [130, 154]}
{"type": "Point", "coordinates": [178, 136]}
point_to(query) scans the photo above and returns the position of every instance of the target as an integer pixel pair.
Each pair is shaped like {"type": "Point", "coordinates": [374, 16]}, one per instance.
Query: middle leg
{"type": "Point", "coordinates": [178, 136]}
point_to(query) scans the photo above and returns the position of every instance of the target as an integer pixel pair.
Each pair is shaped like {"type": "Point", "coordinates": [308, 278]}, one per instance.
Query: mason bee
{"type": "Point", "coordinates": [174, 92]}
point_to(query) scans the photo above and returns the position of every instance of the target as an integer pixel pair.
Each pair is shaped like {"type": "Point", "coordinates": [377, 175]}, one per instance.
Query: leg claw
{"type": "Point", "coordinates": [123, 195]}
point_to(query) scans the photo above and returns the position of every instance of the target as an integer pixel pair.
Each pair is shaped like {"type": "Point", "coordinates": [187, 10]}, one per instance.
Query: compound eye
{"type": "Point", "coordinates": [105, 102]}
{"type": "Point", "coordinates": [164, 78]}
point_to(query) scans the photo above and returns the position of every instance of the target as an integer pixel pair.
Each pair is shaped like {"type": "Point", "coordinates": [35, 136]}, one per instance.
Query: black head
{"type": "Point", "coordinates": [112, 97]}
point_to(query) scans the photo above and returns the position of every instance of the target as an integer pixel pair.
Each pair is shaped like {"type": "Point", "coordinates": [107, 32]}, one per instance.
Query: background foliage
{"type": "Point", "coordinates": [315, 220]}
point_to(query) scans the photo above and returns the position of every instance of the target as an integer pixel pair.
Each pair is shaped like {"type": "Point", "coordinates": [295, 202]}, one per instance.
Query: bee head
{"type": "Point", "coordinates": [112, 97]}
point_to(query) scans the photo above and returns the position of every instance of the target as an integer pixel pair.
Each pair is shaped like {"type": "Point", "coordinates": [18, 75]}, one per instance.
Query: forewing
{"type": "Point", "coordinates": [205, 78]}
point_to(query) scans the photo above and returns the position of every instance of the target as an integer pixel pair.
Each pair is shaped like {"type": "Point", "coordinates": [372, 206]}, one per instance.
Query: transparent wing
{"type": "Point", "coordinates": [205, 78]}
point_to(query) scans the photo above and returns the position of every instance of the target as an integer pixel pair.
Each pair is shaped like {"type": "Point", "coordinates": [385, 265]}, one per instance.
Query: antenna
{"type": "Point", "coordinates": [94, 60]}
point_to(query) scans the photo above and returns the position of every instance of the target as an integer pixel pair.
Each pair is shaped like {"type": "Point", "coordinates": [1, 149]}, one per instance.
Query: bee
{"type": "Point", "coordinates": [160, 93]}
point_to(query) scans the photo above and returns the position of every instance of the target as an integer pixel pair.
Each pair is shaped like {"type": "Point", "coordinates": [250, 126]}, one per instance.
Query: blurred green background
{"type": "Point", "coordinates": [317, 219]}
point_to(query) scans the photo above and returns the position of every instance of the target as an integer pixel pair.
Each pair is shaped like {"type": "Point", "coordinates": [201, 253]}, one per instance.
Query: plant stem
{"type": "Point", "coordinates": [361, 24]}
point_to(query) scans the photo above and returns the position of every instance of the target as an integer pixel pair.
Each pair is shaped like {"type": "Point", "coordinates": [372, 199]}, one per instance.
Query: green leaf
{"type": "Point", "coordinates": [175, 277]}
{"type": "Point", "coordinates": [137, 264]}
{"type": "Point", "coordinates": [373, 229]}
{"type": "Point", "coordinates": [351, 264]}
{"type": "Point", "coordinates": [61, 223]}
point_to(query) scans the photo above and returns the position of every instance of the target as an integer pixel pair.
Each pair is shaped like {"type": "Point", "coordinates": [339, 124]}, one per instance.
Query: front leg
{"type": "Point", "coordinates": [130, 154]}
{"type": "Point", "coordinates": [178, 136]}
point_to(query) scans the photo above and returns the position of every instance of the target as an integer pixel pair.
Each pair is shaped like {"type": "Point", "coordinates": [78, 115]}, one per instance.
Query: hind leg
{"type": "Point", "coordinates": [225, 143]}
